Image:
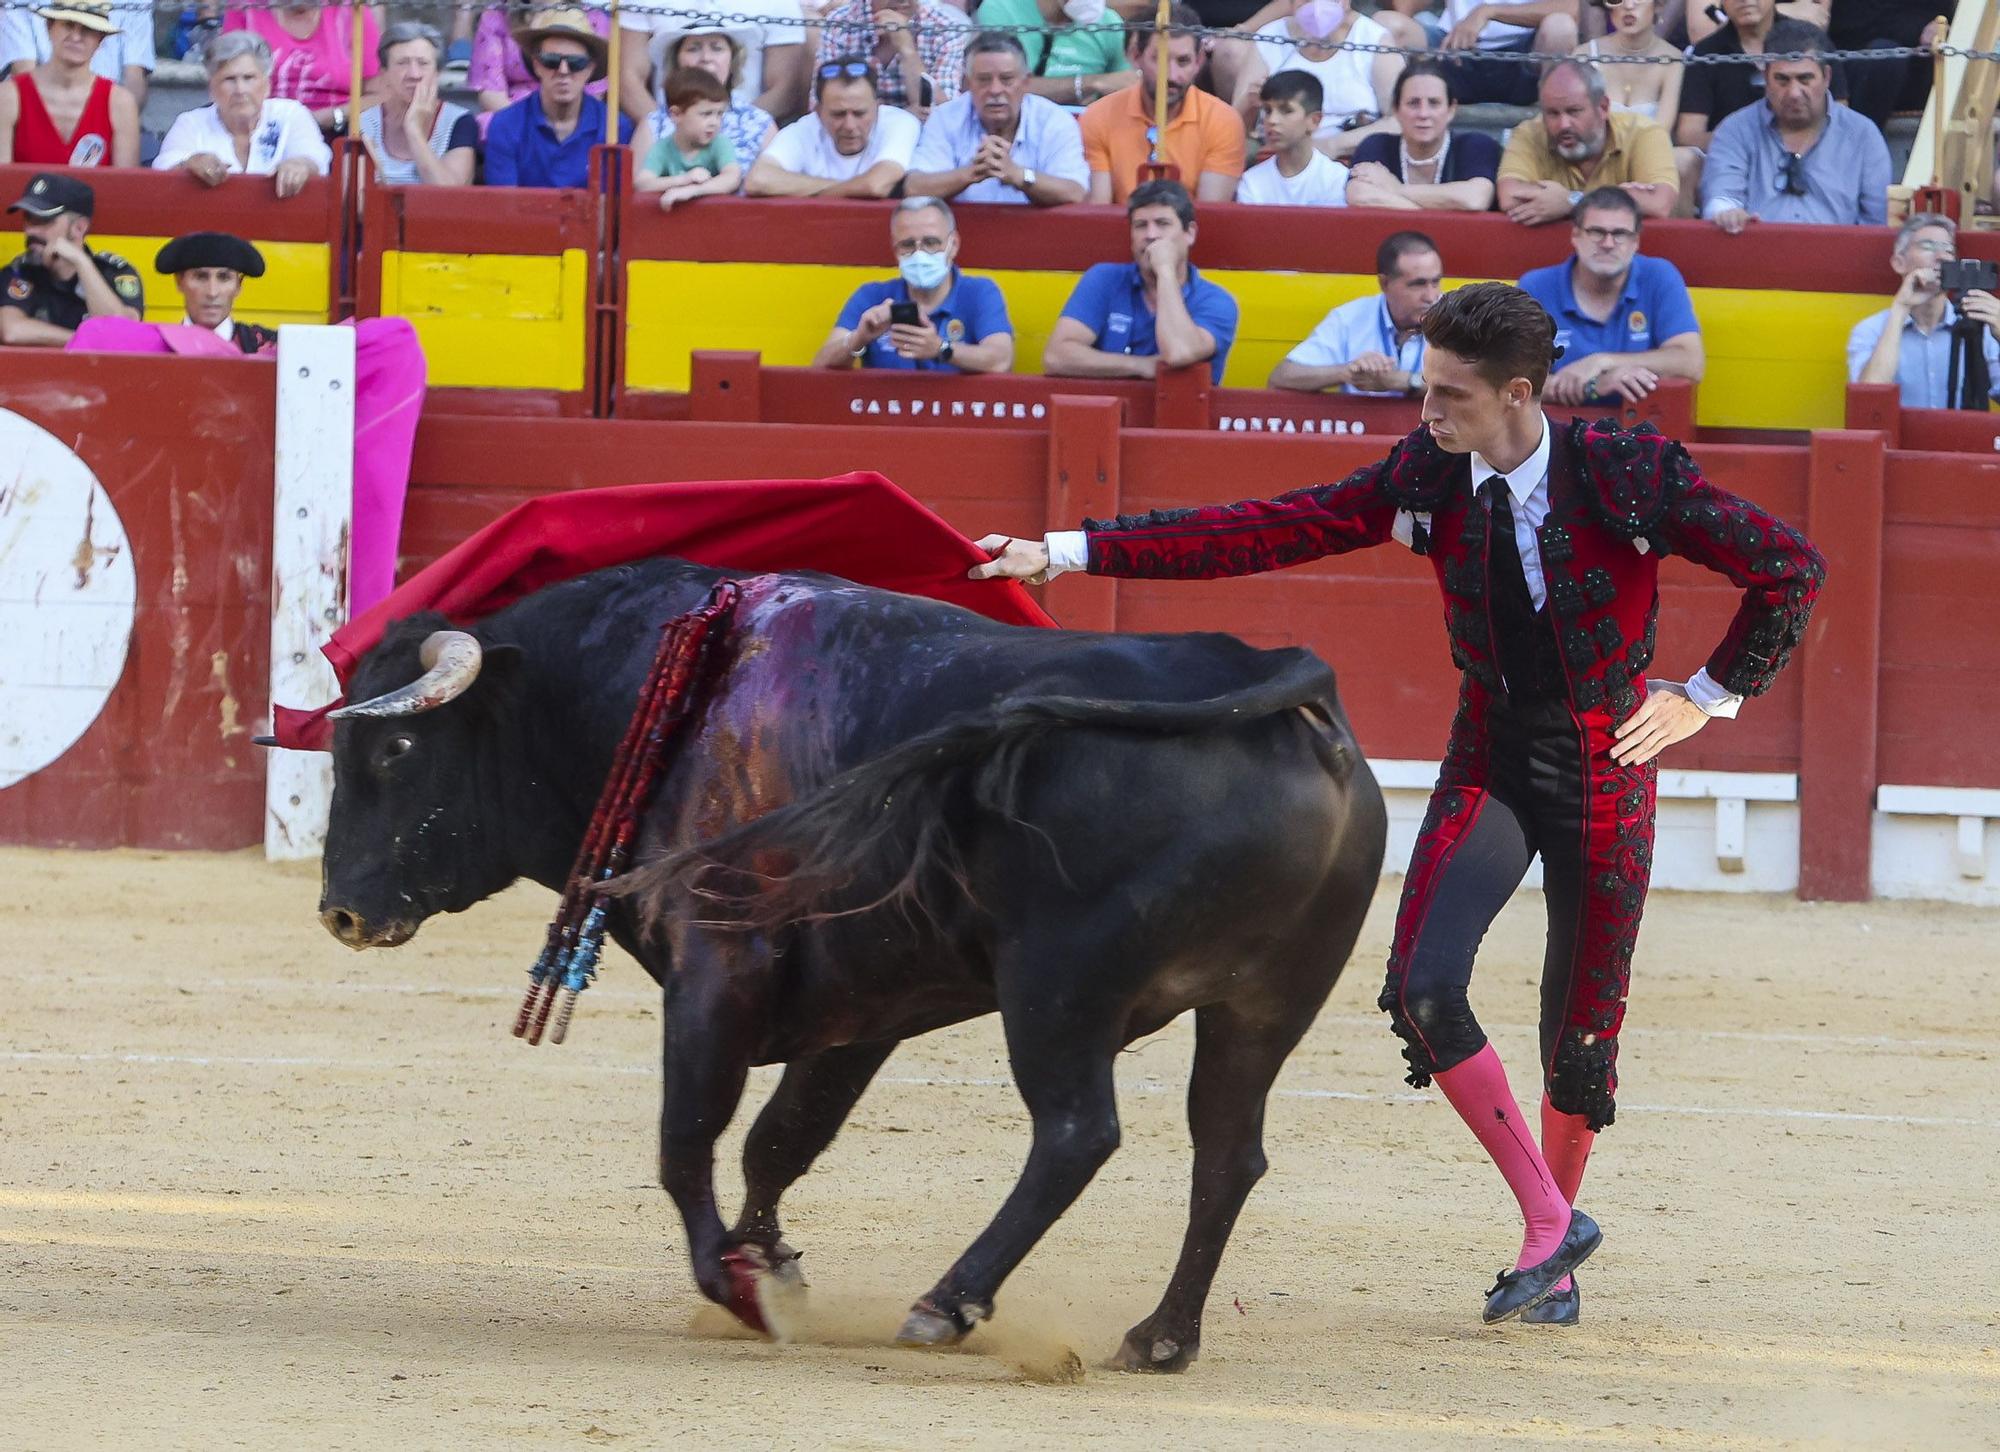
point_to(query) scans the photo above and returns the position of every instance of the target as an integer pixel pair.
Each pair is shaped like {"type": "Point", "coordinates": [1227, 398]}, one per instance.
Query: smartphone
{"type": "Point", "coordinates": [1968, 274]}
{"type": "Point", "coordinates": [905, 315]}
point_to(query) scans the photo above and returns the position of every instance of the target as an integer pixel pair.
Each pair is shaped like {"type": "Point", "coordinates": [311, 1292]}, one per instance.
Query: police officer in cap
{"type": "Point", "coordinates": [209, 268]}
{"type": "Point", "coordinates": [47, 292]}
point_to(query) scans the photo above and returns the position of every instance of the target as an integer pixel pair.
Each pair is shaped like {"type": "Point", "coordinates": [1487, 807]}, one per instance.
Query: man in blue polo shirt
{"type": "Point", "coordinates": [1122, 322]}
{"type": "Point", "coordinates": [1623, 322]}
{"type": "Point", "coordinates": [545, 138]}
{"type": "Point", "coordinates": [961, 322]}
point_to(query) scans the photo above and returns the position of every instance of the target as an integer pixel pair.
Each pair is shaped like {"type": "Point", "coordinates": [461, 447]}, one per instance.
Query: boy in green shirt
{"type": "Point", "coordinates": [694, 159]}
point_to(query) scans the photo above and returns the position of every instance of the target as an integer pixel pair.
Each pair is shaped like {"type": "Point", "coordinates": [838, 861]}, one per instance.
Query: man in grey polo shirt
{"type": "Point", "coordinates": [1909, 342]}
{"type": "Point", "coordinates": [994, 141]}
{"type": "Point", "coordinates": [1796, 158]}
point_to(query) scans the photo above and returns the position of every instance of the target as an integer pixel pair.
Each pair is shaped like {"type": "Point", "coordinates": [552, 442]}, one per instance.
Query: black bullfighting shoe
{"type": "Point", "coordinates": [1562, 1308]}
{"type": "Point", "coordinates": [1516, 1290]}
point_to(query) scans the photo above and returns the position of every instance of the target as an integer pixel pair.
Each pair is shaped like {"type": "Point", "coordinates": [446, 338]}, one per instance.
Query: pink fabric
{"type": "Point", "coordinates": [1479, 1091]}
{"type": "Point", "coordinates": [1566, 1142]}
{"type": "Point", "coordinates": [497, 62]}
{"type": "Point", "coordinates": [389, 377]}
{"type": "Point", "coordinates": [316, 71]}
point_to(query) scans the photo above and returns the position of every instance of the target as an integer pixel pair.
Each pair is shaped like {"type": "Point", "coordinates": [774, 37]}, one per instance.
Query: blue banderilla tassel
{"type": "Point", "coordinates": [580, 966]}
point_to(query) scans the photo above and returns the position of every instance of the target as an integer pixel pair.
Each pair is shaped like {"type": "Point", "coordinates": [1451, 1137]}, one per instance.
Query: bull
{"type": "Point", "coordinates": [885, 815]}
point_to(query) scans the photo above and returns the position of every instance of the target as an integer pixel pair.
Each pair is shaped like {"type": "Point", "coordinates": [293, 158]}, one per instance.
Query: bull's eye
{"type": "Point", "coordinates": [394, 747]}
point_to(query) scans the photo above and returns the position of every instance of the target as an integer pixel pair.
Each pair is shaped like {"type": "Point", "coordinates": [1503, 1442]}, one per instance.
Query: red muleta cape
{"type": "Point", "coordinates": [858, 526]}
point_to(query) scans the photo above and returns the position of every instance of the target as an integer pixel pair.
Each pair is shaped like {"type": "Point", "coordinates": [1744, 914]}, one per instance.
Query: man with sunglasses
{"type": "Point", "coordinates": [848, 145]}
{"type": "Point", "coordinates": [1796, 158]}
{"type": "Point", "coordinates": [1623, 321]}
{"type": "Point", "coordinates": [1910, 342]}
{"type": "Point", "coordinates": [545, 138]}
{"type": "Point", "coordinates": [961, 322]}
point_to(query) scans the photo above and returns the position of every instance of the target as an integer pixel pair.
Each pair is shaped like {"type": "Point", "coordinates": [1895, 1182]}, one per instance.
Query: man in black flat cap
{"type": "Point", "coordinates": [55, 284]}
{"type": "Point", "coordinates": [209, 268]}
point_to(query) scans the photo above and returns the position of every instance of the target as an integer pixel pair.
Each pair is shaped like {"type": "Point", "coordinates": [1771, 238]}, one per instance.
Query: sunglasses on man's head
{"type": "Point", "coordinates": [563, 62]}
{"type": "Point", "coordinates": [853, 70]}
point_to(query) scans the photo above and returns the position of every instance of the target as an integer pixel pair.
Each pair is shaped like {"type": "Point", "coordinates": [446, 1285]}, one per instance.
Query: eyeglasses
{"type": "Point", "coordinates": [1601, 235]}
{"type": "Point", "coordinates": [909, 246]}
{"type": "Point", "coordinates": [852, 70]}
{"type": "Point", "coordinates": [563, 61]}
{"type": "Point", "coordinates": [1793, 175]}
{"type": "Point", "coordinates": [1948, 251]}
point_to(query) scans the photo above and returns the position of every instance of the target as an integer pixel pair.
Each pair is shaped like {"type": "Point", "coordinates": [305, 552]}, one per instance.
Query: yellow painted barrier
{"type": "Point", "coordinates": [1775, 359]}
{"type": "Point", "coordinates": [293, 288]}
{"type": "Point", "coordinates": [494, 320]}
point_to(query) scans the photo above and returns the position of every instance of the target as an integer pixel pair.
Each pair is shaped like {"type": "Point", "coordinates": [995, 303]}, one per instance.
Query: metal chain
{"type": "Point", "coordinates": [741, 21]}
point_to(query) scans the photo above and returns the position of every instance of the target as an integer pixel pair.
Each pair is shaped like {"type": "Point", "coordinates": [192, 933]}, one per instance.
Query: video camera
{"type": "Point", "coordinates": [1968, 274]}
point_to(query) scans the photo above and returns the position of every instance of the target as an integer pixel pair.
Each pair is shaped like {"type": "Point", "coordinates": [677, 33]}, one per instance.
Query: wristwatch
{"type": "Point", "coordinates": [1416, 380]}
{"type": "Point", "coordinates": [1575, 197]}
{"type": "Point", "coordinates": [1027, 178]}
{"type": "Point", "coordinates": [945, 350]}
{"type": "Point", "coordinates": [852, 351]}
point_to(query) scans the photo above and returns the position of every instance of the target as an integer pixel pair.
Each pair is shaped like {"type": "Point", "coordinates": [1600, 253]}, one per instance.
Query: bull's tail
{"type": "Point", "coordinates": [879, 833]}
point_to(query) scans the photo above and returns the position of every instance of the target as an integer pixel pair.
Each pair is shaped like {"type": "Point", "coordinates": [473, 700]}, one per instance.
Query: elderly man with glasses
{"type": "Point", "coordinates": [931, 318]}
{"type": "Point", "coordinates": [1623, 321]}
{"type": "Point", "coordinates": [1796, 158]}
{"type": "Point", "coordinates": [1911, 342]}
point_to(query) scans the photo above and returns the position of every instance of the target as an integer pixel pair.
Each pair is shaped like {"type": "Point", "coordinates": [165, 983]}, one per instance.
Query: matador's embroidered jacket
{"type": "Point", "coordinates": [1619, 500]}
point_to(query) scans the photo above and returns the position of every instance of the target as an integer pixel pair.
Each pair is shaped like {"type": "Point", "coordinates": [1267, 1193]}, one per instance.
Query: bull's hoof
{"type": "Point", "coordinates": [928, 1325]}
{"type": "Point", "coordinates": [744, 1266]}
{"type": "Point", "coordinates": [1154, 1351]}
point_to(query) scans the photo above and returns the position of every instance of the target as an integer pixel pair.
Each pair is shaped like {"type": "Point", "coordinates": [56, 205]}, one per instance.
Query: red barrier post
{"type": "Point", "coordinates": [1876, 406]}
{"type": "Point", "coordinates": [1841, 666]}
{"type": "Point", "coordinates": [1668, 408]}
{"type": "Point", "coordinates": [725, 387]}
{"type": "Point", "coordinates": [1084, 451]}
{"type": "Point", "coordinates": [1181, 398]}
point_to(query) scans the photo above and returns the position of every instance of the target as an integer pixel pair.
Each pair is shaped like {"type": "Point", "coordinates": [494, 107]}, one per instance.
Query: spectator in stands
{"type": "Point", "coordinates": [850, 145]}
{"type": "Point", "coordinates": [126, 56]}
{"type": "Point", "coordinates": [1703, 21]}
{"type": "Point", "coordinates": [244, 129]}
{"type": "Point", "coordinates": [1487, 35]}
{"type": "Point", "coordinates": [57, 281]}
{"type": "Point", "coordinates": [1078, 54]}
{"type": "Point", "coordinates": [906, 39]}
{"type": "Point", "coordinates": [1298, 173]}
{"type": "Point", "coordinates": [1878, 88]}
{"type": "Point", "coordinates": [312, 55]}
{"type": "Point", "coordinates": [61, 112]}
{"type": "Point", "coordinates": [1642, 73]}
{"type": "Point", "coordinates": [1204, 137]}
{"type": "Point", "coordinates": [1712, 92]}
{"type": "Point", "coordinates": [693, 158]}
{"type": "Point", "coordinates": [1795, 158]}
{"type": "Point", "coordinates": [1371, 346]}
{"type": "Point", "coordinates": [1130, 319]}
{"type": "Point", "coordinates": [500, 75]}
{"type": "Point", "coordinates": [544, 139]}
{"type": "Point", "coordinates": [1355, 85]}
{"type": "Point", "coordinates": [1581, 145]}
{"type": "Point", "coordinates": [1909, 342]}
{"type": "Point", "coordinates": [1428, 166]}
{"type": "Point", "coordinates": [415, 137]}
{"type": "Point", "coordinates": [720, 50]}
{"type": "Point", "coordinates": [772, 75]}
{"type": "Point", "coordinates": [962, 327]}
{"type": "Point", "coordinates": [997, 142]}
{"type": "Point", "coordinates": [209, 268]}
{"type": "Point", "coordinates": [1623, 321]}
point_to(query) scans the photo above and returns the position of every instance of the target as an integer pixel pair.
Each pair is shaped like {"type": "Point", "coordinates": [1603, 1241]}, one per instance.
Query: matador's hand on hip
{"type": "Point", "coordinates": [1664, 718]}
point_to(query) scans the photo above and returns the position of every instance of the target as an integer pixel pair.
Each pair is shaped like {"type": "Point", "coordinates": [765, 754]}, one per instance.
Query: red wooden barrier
{"type": "Point", "coordinates": [1878, 407]}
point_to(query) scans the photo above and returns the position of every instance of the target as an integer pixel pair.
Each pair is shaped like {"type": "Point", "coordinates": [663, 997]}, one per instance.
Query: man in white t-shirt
{"type": "Point", "coordinates": [775, 55]}
{"type": "Point", "coordinates": [1372, 346]}
{"type": "Point", "coordinates": [1487, 34]}
{"type": "Point", "coordinates": [849, 145]}
{"type": "Point", "coordinates": [1299, 174]}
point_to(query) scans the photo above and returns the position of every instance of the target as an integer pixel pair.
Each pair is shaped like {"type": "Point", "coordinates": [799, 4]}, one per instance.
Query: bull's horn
{"type": "Point", "coordinates": [451, 661]}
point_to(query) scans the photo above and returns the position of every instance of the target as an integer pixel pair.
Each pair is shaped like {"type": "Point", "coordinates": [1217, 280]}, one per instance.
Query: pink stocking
{"type": "Point", "coordinates": [1478, 1090]}
{"type": "Point", "coordinates": [1566, 1142]}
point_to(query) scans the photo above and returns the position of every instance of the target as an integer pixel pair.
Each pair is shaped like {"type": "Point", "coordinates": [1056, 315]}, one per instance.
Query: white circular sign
{"type": "Point", "coordinates": [67, 598]}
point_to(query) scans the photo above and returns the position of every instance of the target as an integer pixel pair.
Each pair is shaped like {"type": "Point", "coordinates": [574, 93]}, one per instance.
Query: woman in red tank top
{"type": "Point", "coordinates": [59, 113]}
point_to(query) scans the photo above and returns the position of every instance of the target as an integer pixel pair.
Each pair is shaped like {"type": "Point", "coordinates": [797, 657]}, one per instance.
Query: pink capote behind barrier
{"type": "Point", "coordinates": [389, 376]}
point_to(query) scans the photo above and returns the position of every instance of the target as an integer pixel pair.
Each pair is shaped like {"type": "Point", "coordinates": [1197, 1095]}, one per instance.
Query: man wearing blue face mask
{"type": "Point", "coordinates": [960, 322]}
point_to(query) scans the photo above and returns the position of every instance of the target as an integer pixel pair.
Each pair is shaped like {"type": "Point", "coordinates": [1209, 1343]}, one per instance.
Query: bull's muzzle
{"type": "Point", "coordinates": [357, 932]}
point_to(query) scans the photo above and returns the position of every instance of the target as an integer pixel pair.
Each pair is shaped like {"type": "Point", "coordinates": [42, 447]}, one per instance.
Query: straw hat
{"type": "Point", "coordinates": [567, 22]}
{"type": "Point", "coordinates": [90, 14]}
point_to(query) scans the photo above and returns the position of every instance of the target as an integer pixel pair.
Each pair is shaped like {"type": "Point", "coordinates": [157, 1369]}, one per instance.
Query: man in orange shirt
{"type": "Point", "coordinates": [1204, 135]}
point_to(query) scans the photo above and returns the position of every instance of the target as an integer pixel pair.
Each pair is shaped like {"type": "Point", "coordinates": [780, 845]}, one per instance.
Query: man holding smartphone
{"type": "Point", "coordinates": [931, 318]}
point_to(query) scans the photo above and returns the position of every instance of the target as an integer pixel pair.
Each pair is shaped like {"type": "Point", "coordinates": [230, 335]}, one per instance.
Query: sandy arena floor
{"type": "Point", "coordinates": [258, 1191]}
